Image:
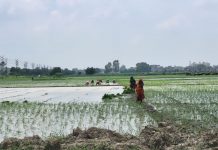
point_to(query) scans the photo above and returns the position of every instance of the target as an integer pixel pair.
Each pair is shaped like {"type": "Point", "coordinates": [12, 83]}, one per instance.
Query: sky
{"type": "Point", "coordinates": [91, 33]}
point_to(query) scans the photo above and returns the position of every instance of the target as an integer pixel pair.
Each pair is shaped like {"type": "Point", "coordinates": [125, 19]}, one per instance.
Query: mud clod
{"type": "Point", "coordinates": [10, 142]}
{"type": "Point", "coordinates": [53, 145]}
{"type": "Point", "coordinates": [77, 132]}
{"type": "Point", "coordinates": [210, 139]}
{"type": "Point", "coordinates": [33, 143]}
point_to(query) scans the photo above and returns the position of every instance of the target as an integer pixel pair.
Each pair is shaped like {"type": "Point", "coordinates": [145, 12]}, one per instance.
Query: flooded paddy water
{"type": "Point", "coordinates": [56, 111]}
{"type": "Point", "coordinates": [58, 94]}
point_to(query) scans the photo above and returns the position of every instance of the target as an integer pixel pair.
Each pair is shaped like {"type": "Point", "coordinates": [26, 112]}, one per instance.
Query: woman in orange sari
{"type": "Point", "coordinates": [140, 91]}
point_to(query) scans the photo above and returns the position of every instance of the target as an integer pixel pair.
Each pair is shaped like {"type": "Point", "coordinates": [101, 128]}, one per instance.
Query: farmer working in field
{"type": "Point", "coordinates": [140, 91]}
{"type": "Point", "coordinates": [132, 83]}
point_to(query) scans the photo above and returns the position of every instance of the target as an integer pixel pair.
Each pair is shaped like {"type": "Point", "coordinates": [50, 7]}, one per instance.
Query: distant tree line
{"type": "Point", "coordinates": [194, 68]}
{"type": "Point", "coordinates": [114, 67]}
{"type": "Point", "coordinates": [56, 71]}
{"type": "Point", "coordinates": [37, 71]}
{"type": "Point", "coordinates": [200, 68]}
{"type": "Point", "coordinates": [42, 71]}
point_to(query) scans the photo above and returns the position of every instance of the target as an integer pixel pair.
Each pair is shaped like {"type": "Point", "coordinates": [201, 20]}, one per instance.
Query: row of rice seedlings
{"type": "Point", "coordinates": [198, 99]}
{"type": "Point", "coordinates": [25, 119]}
{"type": "Point", "coordinates": [190, 95]}
{"type": "Point", "coordinates": [193, 97]}
{"type": "Point", "coordinates": [187, 103]}
{"type": "Point", "coordinates": [192, 114]}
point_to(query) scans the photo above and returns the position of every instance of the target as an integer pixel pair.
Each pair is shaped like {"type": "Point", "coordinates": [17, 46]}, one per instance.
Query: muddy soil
{"type": "Point", "coordinates": [165, 136]}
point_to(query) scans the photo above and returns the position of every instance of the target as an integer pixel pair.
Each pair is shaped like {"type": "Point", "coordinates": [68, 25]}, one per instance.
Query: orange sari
{"type": "Point", "coordinates": [140, 93]}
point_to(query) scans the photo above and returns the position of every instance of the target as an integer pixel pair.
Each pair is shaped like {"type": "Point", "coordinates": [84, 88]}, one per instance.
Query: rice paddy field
{"type": "Point", "coordinates": [55, 106]}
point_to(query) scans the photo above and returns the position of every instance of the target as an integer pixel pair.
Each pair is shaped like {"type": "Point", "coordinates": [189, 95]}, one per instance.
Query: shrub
{"type": "Point", "coordinates": [128, 90]}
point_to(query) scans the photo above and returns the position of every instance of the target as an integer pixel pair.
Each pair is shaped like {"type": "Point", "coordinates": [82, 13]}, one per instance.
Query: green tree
{"type": "Point", "coordinates": [123, 69]}
{"type": "Point", "coordinates": [143, 67]}
{"type": "Point", "coordinates": [116, 66]}
{"type": "Point", "coordinates": [15, 71]}
{"type": "Point", "coordinates": [55, 71]}
{"type": "Point", "coordinates": [108, 68]}
{"type": "Point", "coordinates": [90, 71]}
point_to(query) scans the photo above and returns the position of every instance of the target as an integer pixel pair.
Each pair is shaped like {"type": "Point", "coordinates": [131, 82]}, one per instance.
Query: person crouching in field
{"type": "Point", "coordinates": [132, 83]}
{"type": "Point", "coordinates": [140, 91]}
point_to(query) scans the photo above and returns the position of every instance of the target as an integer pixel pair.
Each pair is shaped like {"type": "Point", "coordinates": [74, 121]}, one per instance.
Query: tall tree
{"type": "Point", "coordinates": [2, 66]}
{"type": "Point", "coordinates": [116, 66]}
{"type": "Point", "coordinates": [108, 68]}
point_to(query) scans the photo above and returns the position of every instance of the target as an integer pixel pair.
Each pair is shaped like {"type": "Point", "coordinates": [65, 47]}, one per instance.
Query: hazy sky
{"type": "Point", "coordinates": [82, 33]}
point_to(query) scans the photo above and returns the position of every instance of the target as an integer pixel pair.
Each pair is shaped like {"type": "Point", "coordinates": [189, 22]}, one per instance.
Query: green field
{"type": "Point", "coordinates": [149, 80]}
{"type": "Point", "coordinates": [191, 101]}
